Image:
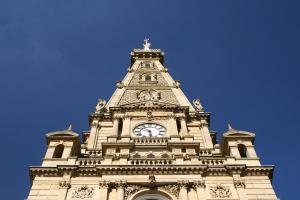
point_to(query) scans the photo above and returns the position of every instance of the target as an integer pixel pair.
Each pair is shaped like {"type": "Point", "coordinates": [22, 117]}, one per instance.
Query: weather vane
{"type": "Point", "coordinates": [146, 44]}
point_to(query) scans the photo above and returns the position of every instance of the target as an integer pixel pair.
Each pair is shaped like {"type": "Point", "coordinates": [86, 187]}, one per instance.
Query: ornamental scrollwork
{"type": "Point", "coordinates": [83, 192]}
{"type": "Point", "coordinates": [100, 105]}
{"type": "Point", "coordinates": [198, 106]}
{"type": "Point", "coordinates": [220, 191]}
{"type": "Point", "coordinates": [239, 184]}
{"type": "Point", "coordinates": [131, 189]}
{"type": "Point", "coordinates": [173, 189]}
{"type": "Point", "coordinates": [147, 95]}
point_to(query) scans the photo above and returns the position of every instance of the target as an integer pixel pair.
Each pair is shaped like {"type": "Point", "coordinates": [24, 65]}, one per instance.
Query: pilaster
{"type": "Point", "coordinates": [103, 189]}
{"type": "Point", "coordinates": [183, 190]}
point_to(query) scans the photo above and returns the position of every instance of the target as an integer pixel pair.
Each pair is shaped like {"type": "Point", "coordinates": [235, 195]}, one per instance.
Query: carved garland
{"type": "Point", "coordinates": [83, 192]}
{"type": "Point", "coordinates": [220, 191]}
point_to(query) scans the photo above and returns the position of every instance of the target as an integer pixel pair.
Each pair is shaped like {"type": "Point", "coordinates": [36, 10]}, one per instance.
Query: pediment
{"type": "Point", "coordinates": [62, 134]}
{"type": "Point", "coordinates": [236, 134]}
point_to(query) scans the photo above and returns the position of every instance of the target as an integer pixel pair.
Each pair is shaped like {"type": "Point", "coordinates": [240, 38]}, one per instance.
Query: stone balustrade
{"type": "Point", "coordinates": [144, 141]}
{"type": "Point", "coordinates": [151, 162]}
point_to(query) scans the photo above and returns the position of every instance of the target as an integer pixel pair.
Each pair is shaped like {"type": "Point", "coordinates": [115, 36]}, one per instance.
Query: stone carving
{"type": "Point", "coordinates": [100, 105]}
{"type": "Point", "coordinates": [152, 181]}
{"type": "Point", "coordinates": [220, 191]}
{"type": "Point", "coordinates": [173, 189]}
{"type": "Point", "coordinates": [197, 105]}
{"type": "Point", "coordinates": [149, 116]}
{"type": "Point", "coordinates": [64, 185]}
{"type": "Point", "coordinates": [104, 184]}
{"type": "Point", "coordinates": [146, 44]}
{"type": "Point", "coordinates": [147, 95]}
{"type": "Point", "coordinates": [131, 189]}
{"type": "Point", "coordinates": [83, 192]}
{"type": "Point", "coordinates": [120, 184]}
{"type": "Point", "coordinates": [199, 183]}
{"type": "Point", "coordinates": [119, 84]}
{"type": "Point", "coordinates": [177, 84]}
{"type": "Point", "coordinates": [239, 183]}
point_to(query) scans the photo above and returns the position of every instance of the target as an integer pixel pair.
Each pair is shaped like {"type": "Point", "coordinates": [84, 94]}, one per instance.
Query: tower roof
{"type": "Point", "coordinates": [148, 83]}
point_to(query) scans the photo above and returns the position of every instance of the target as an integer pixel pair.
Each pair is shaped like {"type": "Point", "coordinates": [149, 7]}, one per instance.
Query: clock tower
{"type": "Point", "coordinates": [148, 142]}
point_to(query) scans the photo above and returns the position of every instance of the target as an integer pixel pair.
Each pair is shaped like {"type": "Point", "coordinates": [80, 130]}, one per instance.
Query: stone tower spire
{"type": "Point", "coordinates": [149, 142]}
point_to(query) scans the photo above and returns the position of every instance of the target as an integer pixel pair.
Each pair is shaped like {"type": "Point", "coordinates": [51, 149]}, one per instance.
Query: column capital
{"type": "Point", "coordinates": [118, 116]}
{"type": "Point", "coordinates": [199, 184]}
{"type": "Point", "coordinates": [64, 184]}
{"type": "Point", "coordinates": [183, 183]}
{"type": "Point", "coordinates": [120, 184]}
{"type": "Point", "coordinates": [103, 184]}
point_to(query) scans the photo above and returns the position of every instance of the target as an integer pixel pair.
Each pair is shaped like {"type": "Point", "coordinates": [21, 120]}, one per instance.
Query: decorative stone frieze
{"type": "Point", "coordinates": [64, 184]}
{"type": "Point", "coordinates": [220, 191]}
{"type": "Point", "coordinates": [83, 192]}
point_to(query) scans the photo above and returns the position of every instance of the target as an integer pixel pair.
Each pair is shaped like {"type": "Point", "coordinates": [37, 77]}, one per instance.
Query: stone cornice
{"type": "Point", "coordinates": [204, 170]}
{"type": "Point", "coordinates": [173, 108]}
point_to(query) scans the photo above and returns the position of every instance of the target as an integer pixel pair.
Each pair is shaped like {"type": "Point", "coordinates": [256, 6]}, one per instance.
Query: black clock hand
{"type": "Point", "coordinates": [149, 131]}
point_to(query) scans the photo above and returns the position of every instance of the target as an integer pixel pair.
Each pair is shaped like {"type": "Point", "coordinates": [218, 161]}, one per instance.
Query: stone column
{"type": "Point", "coordinates": [63, 189]}
{"type": "Point", "coordinates": [183, 130]}
{"type": "Point", "coordinates": [206, 135]}
{"type": "Point", "coordinates": [200, 189]}
{"type": "Point", "coordinates": [103, 190]}
{"type": "Point", "coordinates": [92, 137]}
{"type": "Point", "coordinates": [251, 151]}
{"type": "Point", "coordinates": [234, 151]}
{"type": "Point", "coordinates": [120, 190]}
{"type": "Point", "coordinates": [126, 126]}
{"type": "Point", "coordinates": [183, 193]}
{"type": "Point", "coordinates": [240, 187]}
{"type": "Point", "coordinates": [115, 127]}
{"type": "Point", "coordinates": [172, 126]}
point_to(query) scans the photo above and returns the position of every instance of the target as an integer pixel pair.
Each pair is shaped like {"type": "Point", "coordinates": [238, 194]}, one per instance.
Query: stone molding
{"type": "Point", "coordinates": [204, 170]}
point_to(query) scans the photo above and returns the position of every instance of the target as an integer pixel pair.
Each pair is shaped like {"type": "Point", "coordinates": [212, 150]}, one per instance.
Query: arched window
{"type": "Point", "coordinates": [243, 150]}
{"type": "Point", "coordinates": [58, 152]}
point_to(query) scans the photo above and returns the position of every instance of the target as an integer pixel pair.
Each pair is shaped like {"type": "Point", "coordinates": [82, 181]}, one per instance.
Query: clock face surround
{"type": "Point", "coordinates": [149, 130]}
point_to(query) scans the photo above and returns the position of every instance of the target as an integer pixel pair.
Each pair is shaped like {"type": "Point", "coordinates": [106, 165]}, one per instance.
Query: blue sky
{"type": "Point", "coordinates": [57, 57]}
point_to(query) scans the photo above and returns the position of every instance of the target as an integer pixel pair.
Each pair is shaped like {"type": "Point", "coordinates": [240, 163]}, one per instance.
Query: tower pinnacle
{"type": "Point", "coordinates": [146, 44]}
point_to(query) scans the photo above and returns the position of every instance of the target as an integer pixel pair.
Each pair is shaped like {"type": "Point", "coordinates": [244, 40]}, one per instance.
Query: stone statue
{"type": "Point", "coordinates": [197, 105]}
{"type": "Point", "coordinates": [146, 44]}
{"type": "Point", "coordinates": [100, 105]}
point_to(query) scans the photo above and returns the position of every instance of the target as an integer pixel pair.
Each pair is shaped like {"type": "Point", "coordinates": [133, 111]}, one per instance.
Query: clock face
{"type": "Point", "coordinates": [149, 130]}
